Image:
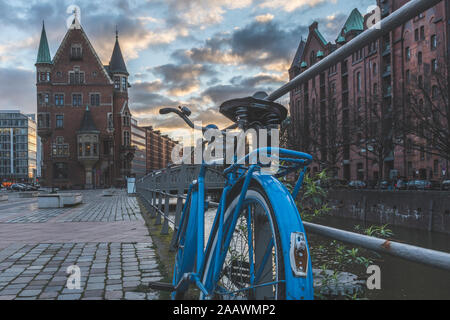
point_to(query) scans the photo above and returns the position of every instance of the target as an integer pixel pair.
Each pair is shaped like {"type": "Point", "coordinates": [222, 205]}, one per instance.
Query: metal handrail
{"type": "Point", "coordinates": [394, 20]}
{"type": "Point", "coordinates": [409, 252]}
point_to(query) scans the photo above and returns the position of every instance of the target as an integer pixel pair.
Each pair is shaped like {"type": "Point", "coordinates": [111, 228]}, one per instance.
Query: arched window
{"type": "Point", "coordinates": [126, 138]}
{"type": "Point", "coordinates": [358, 82]}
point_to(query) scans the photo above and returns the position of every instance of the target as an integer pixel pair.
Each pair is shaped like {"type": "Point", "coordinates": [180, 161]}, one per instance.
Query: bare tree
{"type": "Point", "coordinates": [427, 116]}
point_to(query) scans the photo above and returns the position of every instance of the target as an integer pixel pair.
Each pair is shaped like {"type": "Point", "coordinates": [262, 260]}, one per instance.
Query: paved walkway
{"type": "Point", "coordinates": [105, 237]}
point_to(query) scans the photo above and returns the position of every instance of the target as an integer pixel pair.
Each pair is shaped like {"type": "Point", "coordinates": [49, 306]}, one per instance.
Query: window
{"type": "Point", "coordinates": [375, 88]}
{"type": "Point", "coordinates": [312, 57]}
{"type": "Point", "coordinates": [408, 54]}
{"type": "Point", "coordinates": [126, 138]}
{"type": "Point", "coordinates": [95, 99]}
{"type": "Point", "coordinates": [408, 76]}
{"type": "Point", "coordinates": [77, 100]}
{"type": "Point", "coordinates": [76, 52]}
{"type": "Point", "coordinates": [59, 100]}
{"type": "Point", "coordinates": [76, 77]}
{"type": "Point", "coordinates": [87, 149]}
{"type": "Point", "coordinates": [416, 34]}
{"type": "Point", "coordinates": [420, 82]}
{"type": "Point", "coordinates": [60, 170]}
{"type": "Point", "coordinates": [46, 98]}
{"type": "Point", "coordinates": [420, 58]}
{"type": "Point", "coordinates": [126, 120]}
{"type": "Point", "coordinates": [358, 81]}
{"type": "Point", "coordinates": [436, 167]}
{"type": "Point", "coordinates": [117, 83]}
{"type": "Point", "coordinates": [375, 69]}
{"type": "Point", "coordinates": [435, 92]}
{"type": "Point", "coordinates": [110, 121]}
{"type": "Point", "coordinates": [433, 42]}
{"type": "Point", "coordinates": [60, 148]}
{"type": "Point", "coordinates": [422, 33]}
{"type": "Point", "coordinates": [59, 121]}
{"type": "Point", "coordinates": [434, 65]}
{"type": "Point", "coordinates": [124, 84]}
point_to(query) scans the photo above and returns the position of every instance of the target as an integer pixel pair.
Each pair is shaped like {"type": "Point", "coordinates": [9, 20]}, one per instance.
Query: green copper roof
{"type": "Point", "coordinates": [321, 37]}
{"type": "Point", "coordinates": [44, 51]}
{"type": "Point", "coordinates": [304, 64]}
{"type": "Point", "coordinates": [340, 39]}
{"type": "Point", "coordinates": [320, 54]}
{"type": "Point", "coordinates": [355, 22]}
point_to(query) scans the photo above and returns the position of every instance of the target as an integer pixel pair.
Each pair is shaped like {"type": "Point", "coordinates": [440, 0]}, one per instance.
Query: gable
{"type": "Point", "coordinates": [89, 62]}
{"type": "Point", "coordinates": [315, 43]}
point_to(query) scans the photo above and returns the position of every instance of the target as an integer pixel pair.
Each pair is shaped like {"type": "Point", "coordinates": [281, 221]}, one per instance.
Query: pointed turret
{"type": "Point", "coordinates": [43, 56]}
{"type": "Point", "coordinates": [117, 63]}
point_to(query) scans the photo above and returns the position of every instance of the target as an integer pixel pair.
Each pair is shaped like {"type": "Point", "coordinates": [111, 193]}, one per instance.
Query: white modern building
{"type": "Point", "coordinates": [19, 147]}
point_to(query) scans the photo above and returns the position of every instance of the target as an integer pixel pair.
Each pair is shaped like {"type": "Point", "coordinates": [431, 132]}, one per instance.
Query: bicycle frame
{"type": "Point", "coordinates": [191, 266]}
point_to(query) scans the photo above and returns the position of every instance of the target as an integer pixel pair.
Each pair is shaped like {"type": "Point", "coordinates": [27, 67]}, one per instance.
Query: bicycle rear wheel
{"type": "Point", "coordinates": [251, 263]}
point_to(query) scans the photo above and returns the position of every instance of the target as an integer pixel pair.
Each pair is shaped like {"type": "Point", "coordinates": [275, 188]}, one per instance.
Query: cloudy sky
{"type": "Point", "coordinates": [193, 52]}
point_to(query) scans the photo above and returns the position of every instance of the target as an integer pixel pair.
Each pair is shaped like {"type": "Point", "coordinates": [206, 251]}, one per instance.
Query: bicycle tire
{"type": "Point", "coordinates": [255, 195]}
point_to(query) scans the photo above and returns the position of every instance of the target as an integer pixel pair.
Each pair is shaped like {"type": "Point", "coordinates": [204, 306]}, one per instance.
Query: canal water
{"type": "Point", "coordinates": [400, 279]}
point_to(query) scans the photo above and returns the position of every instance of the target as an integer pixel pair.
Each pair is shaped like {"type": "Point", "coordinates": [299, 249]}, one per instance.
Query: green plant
{"type": "Point", "coordinates": [379, 231]}
{"type": "Point", "coordinates": [314, 202]}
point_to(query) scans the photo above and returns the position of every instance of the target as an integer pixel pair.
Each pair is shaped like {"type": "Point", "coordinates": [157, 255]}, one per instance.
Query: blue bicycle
{"type": "Point", "coordinates": [257, 248]}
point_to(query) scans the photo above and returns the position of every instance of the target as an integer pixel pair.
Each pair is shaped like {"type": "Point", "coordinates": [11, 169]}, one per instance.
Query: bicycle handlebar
{"type": "Point", "coordinates": [189, 122]}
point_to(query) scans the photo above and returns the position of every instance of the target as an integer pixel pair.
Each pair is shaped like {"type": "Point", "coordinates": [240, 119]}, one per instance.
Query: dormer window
{"type": "Point", "coordinates": [76, 52]}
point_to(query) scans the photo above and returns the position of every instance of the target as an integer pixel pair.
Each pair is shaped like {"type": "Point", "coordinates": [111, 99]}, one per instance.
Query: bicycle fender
{"type": "Point", "coordinates": [289, 222]}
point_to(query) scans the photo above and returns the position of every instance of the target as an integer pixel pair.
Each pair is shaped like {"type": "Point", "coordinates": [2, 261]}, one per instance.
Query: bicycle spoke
{"type": "Point", "coordinates": [250, 267]}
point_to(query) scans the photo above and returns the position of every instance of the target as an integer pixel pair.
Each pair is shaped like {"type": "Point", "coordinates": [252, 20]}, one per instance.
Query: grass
{"type": "Point", "coordinates": [164, 257]}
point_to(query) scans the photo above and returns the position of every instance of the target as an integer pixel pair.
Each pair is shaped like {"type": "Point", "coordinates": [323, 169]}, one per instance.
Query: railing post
{"type": "Point", "coordinates": [159, 195]}
{"type": "Point", "coordinates": [152, 202]}
{"type": "Point", "coordinates": [182, 181]}
{"type": "Point", "coordinates": [165, 228]}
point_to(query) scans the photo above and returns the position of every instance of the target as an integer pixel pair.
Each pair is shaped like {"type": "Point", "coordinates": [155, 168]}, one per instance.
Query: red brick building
{"type": "Point", "coordinates": [83, 115]}
{"type": "Point", "coordinates": [348, 117]}
{"type": "Point", "coordinates": [159, 149]}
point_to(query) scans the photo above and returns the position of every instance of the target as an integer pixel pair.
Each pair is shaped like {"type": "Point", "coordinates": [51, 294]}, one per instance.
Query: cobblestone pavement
{"type": "Point", "coordinates": [105, 237]}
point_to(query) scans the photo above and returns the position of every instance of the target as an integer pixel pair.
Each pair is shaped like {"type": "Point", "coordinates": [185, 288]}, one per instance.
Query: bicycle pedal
{"type": "Point", "coordinates": [161, 286]}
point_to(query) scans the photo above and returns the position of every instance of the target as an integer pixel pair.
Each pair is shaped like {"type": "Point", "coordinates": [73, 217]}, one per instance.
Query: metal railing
{"type": "Point", "coordinates": [162, 184]}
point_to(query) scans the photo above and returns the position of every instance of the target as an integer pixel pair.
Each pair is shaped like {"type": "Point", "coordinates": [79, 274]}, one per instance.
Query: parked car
{"type": "Point", "coordinates": [18, 187]}
{"type": "Point", "coordinates": [357, 184]}
{"type": "Point", "coordinates": [30, 187]}
{"type": "Point", "coordinates": [445, 185]}
{"type": "Point", "coordinates": [419, 185]}
{"type": "Point", "coordinates": [383, 185]}
{"type": "Point", "coordinates": [401, 184]}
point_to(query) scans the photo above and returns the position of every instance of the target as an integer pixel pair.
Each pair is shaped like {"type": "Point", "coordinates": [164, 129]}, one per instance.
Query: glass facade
{"type": "Point", "coordinates": [138, 140]}
{"type": "Point", "coordinates": [18, 147]}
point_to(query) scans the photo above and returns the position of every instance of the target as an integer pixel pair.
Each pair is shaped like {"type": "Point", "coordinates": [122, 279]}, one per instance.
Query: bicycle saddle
{"type": "Point", "coordinates": [254, 111]}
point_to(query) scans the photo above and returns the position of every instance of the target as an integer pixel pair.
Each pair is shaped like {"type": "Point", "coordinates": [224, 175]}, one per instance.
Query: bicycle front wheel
{"type": "Point", "coordinates": [250, 265]}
